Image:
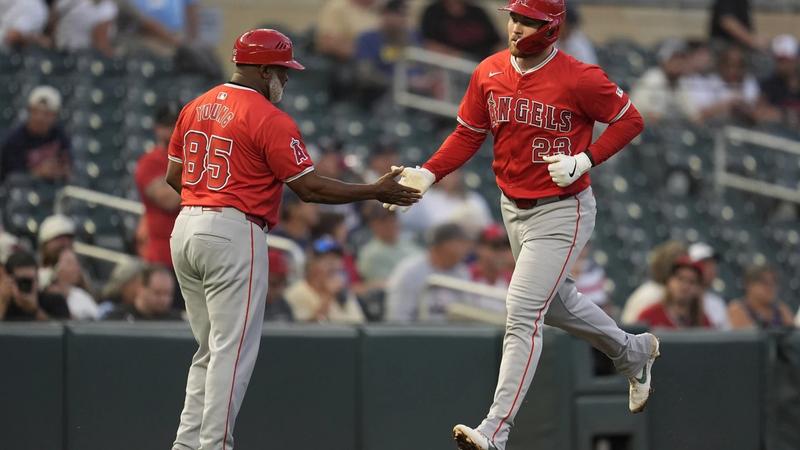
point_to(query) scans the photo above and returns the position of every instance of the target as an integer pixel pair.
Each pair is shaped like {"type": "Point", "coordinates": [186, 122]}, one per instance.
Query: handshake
{"type": "Point", "coordinates": [419, 178]}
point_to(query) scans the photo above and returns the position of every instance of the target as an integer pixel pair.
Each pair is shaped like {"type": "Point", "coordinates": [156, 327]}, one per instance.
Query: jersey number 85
{"type": "Point", "coordinates": [206, 156]}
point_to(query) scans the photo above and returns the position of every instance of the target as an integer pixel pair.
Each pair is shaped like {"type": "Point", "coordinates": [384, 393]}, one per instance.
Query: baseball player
{"type": "Point", "coordinates": [229, 156]}
{"type": "Point", "coordinates": [540, 106]}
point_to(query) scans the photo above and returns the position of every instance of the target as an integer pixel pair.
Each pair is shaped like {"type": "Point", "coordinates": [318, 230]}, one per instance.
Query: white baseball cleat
{"type": "Point", "coordinates": [468, 439]}
{"type": "Point", "coordinates": [640, 389]}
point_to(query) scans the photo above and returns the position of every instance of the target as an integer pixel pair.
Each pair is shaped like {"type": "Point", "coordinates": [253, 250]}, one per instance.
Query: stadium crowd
{"type": "Point", "coordinates": [362, 262]}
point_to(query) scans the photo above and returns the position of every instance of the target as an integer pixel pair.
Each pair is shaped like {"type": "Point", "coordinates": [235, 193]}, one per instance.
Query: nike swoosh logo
{"type": "Point", "coordinates": [491, 74]}
{"type": "Point", "coordinates": [643, 378]}
{"type": "Point", "coordinates": [573, 173]}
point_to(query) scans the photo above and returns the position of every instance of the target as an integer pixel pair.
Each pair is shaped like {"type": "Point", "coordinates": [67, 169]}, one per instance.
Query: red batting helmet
{"type": "Point", "coordinates": [551, 11]}
{"type": "Point", "coordinates": [265, 47]}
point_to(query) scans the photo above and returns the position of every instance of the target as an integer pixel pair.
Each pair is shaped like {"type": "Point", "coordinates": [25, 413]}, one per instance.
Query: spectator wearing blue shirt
{"type": "Point", "coordinates": [377, 51]}
{"type": "Point", "coordinates": [170, 22]}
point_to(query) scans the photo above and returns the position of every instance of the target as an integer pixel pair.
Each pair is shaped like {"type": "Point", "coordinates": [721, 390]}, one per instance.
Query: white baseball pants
{"type": "Point", "coordinates": [546, 241]}
{"type": "Point", "coordinates": [220, 260]}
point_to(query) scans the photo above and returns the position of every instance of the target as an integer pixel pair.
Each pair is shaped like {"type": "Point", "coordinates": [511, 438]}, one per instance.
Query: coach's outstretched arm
{"type": "Point", "coordinates": [314, 188]}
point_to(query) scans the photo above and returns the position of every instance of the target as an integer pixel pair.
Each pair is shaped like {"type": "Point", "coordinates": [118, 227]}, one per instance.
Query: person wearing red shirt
{"type": "Point", "coordinates": [540, 105]}
{"type": "Point", "coordinates": [230, 155]}
{"type": "Point", "coordinates": [682, 306]}
{"type": "Point", "coordinates": [161, 202]}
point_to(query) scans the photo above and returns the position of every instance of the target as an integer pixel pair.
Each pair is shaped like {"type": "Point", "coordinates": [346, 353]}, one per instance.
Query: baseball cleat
{"type": "Point", "coordinates": [640, 389]}
{"type": "Point", "coordinates": [468, 439]}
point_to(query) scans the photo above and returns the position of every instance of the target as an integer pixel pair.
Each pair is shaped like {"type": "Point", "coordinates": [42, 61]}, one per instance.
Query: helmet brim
{"type": "Point", "coordinates": [290, 64]}
{"type": "Point", "coordinates": [529, 13]}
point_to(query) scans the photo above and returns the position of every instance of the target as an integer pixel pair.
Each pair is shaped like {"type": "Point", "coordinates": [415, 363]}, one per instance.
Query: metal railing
{"type": "Point", "coordinates": [723, 178]}
{"type": "Point", "coordinates": [137, 208]}
{"type": "Point", "coordinates": [445, 64]}
{"type": "Point", "coordinates": [464, 311]}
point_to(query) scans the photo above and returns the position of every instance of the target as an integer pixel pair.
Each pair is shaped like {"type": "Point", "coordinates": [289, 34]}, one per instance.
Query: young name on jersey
{"type": "Point", "coordinates": [216, 112]}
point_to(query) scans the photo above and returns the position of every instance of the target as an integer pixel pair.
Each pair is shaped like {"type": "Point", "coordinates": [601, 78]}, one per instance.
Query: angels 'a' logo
{"type": "Point", "coordinates": [300, 154]}
{"type": "Point", "coordinates": [492, 109]}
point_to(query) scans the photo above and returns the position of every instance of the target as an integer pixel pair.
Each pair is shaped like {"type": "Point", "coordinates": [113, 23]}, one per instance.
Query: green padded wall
{"type": "Point", "coordinates": [303, 391]}
{"type": "Point", "coordinates": [418, 382]}
{"type": "Point", "coordinates": [31, 386]}
{"type": "Point", "coordinates": [708, 391]}
{"type": "Point", "coordinates": [125, 384]}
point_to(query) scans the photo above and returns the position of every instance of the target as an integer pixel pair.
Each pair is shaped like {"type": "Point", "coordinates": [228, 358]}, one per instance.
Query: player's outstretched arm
{"type": "Point", "coordinates": [314, 188]}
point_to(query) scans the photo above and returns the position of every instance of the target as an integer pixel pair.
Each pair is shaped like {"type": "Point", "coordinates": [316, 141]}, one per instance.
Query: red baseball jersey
{"type": "Point", "coordinates": [548, 109]}
{"type": "Point", "coordinates": [237, 150]}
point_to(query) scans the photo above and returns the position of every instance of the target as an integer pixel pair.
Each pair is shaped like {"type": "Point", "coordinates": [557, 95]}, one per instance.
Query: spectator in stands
{"type": "Point", "coordinates": [590, 281]}
{"type": "Point", "coordinates": [277, 308]}
{"type": "Point", "coordinates": [661, 92]}
{"type": "Point", "coordinates": [449, 200]}
{"type": "Point", "coordinates": [494, 262]}
{"type": "Point", "coordinates": [460, 28]}
{"type": "Point", "coordinates": [22, 22]}
{"type": "Point", "coordinates": [85, 24]}
{"type": "Point", "coordinates": [378, 50]}
{"type": "Point", "coordinates": [661, 258]}
{"type": "Point", "coordinates": [39, 147]}
{"type": "Point", "coordinates": [56, 233]}
{"type": "Point", "coordinates": [573, 41]}
{"type": "Point", "coordinates": [493, 265]}
{"type": "Point", "coordinates": [169, 23]}
{"type": "Point", "coordinates": [161, 203]}
{"type": "Point", "coordinates": [339, 24]}
{"type": "Point", "coordinates": [8, 245]}
{"type": "Point", "coordinates": [681, 306]}
{"type": "Point", "coordinates": [732, 92]}
{"type": "Point", "coordinates": [332, 225]}
{"type": "Point", "coordinates": [760, 307]}
{"type": "Point", "coordinates": [20, 290]}
{"type": "Point", "coordinates": [731, 23]}
{"type": "Point", "coordinates": [379, 257]}
{"type": "Point", "coordinates": [297, 219]}
{"type": "Point", "coordinates": [123, 286]}
{"type": "Point", "coordinates": [72, 283]}
{"type": "Point", "coordinates": [323, 296]}
{"type": "Point", "coordinates": [153, 301]}
{"type": "Point", "coordinates": [714, 306]}
{"type": "Point", "coordinates": [782, 89]}
{"type": "Point", "coordinates": [408, 297]}
{"type": "Point", "coordinates": [380, 160]}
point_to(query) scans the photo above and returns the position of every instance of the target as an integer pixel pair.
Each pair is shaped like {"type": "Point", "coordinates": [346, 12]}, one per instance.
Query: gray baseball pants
{"type": "Point", "coordinates": [220, 260]}
{"type": "Point", "coordinates": [546, 241]}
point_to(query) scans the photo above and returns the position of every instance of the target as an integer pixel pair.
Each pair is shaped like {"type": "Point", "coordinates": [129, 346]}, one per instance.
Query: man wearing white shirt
{"type": "Point", "coordinates": [85, 24]}
{"type": "Point", "coordinates": [21, 21]}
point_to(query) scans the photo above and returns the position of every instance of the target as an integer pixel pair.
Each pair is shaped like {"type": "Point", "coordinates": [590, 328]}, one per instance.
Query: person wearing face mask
{"type": "Point", "coordinates": [230, 155]}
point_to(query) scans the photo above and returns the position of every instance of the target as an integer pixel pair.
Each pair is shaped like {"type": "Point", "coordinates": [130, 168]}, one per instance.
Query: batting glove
{"type": "Point", "coordinates": [565, 169]}
{"type": "Point", "coordinates": [419, 178]}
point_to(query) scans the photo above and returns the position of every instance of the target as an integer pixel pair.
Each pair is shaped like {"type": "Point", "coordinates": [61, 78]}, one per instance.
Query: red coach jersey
{"type": "Point", "coordinates": [237, 150]}
{"type": "Point", "coordinates": [548, 109]}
